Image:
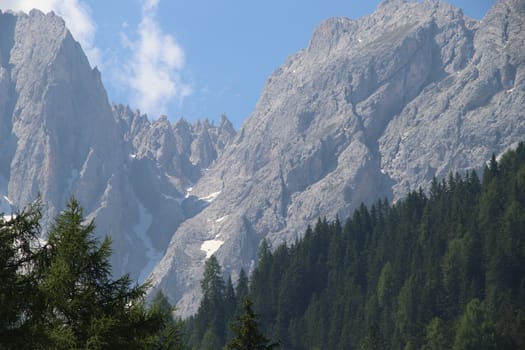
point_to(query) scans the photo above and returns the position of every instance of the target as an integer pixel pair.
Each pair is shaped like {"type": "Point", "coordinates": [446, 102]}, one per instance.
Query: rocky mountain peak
{"type": "Point", "coordinates": [60, 137]}
{"type": "Point", "coordinates": [42, 67]}
{"type": "Point", "coordinates": [373, 108]}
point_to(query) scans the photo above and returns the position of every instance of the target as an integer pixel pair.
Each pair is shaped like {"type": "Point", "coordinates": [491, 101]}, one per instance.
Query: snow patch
{"type": "Point", "coordinates": [221, 219]}
{"type": "Point", "coordinates": [211, 197]}
{"type": "Point", "coordinates": [211, 246]}
{"type": "Point", "coordinates": [8, 218]}
{"type": "Point", "coordinates": [86, 163]}
{"type": "Point", "coordinates": [141, 229]}
{"type": "Point", "coordinates": [188, 190]}
{"type": "Point", "coordinates": [6, 206]}
{"type": "Point", "coordinates": [8, 200]}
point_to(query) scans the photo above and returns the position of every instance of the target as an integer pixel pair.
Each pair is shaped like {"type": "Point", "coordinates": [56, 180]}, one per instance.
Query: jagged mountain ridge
{"type": "Point", "coordinates": [372, 108]}
{"type": "Point", "coordinates": [59, 136]}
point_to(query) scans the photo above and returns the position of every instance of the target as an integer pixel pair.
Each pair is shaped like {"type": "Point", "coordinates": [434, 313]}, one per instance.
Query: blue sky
{"type": "Point", "coordinates": [198, 58]}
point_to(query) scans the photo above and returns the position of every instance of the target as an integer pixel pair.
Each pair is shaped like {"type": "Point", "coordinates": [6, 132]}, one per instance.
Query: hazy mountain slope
{"type": "Point", "coordinates": [372, 108]}
{"type": "Point", "coordinates": [59, 137]}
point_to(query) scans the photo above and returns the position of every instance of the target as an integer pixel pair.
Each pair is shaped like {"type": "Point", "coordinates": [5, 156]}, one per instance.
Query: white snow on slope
{"type": "Point", "coordinates": [8, 200]}
{"type": "Point", "coordinates": [6, 207]}
{"type": "Point", "coordinates": [210, 197]}
{"type": "Point", "coordinates": [211, 246]}
{"type": "Point", "coordinates": [221, 219]}
{"type": "Point", "coordinates": [8, 218]}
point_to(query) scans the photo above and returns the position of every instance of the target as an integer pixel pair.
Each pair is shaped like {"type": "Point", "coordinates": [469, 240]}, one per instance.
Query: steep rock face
{"type": "Point", "coordinates": [48, 79]}
{"type": "Point", "coordinates": [475, 109]}
{"type": "Point", "coordinates": [180, 151]}
{"type": "Point", "coordinates": [372, 108]}
{"type": "Point", "coordinates": [59, 137]}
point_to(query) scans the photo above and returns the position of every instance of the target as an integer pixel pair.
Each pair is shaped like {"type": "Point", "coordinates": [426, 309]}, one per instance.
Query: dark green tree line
{"type": "Point", "coordinates": [437, 270]}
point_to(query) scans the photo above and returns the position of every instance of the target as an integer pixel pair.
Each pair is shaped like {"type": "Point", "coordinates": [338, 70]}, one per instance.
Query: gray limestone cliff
{"type": "Point", "coordinates": [372, 108]}
{"type": "Point", "coordinates": [59, 137]}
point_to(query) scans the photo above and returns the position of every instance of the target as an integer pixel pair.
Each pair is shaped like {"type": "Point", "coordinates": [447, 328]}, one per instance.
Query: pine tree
{"type": "Point", "coordinates": [209, 323]}
{"type": "Point", "coordinates": [85, 306]}
{"type": "Point", "coordinates": [476, 329]}
{"type": "Point", "coordinates": [436, 337]}
{"type": "Point", "coordinates": [61, 295]}
{"type": "Point", "coordinates": [170, 336]}
{"type": "Point", "coordinates": [230, 299]}
{"type": "Point", "coordinates": [241, 290]}
{"type": "Point", "coordinates": [19, 253]}
{"type": "Point", "coordinates": [247, 334]}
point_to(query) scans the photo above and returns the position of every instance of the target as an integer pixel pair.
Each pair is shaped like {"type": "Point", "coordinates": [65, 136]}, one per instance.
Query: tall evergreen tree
{"type": "Point", "coordinates": [170, 336]}
{"type": "Point", "coordinates": [86, 307]}
{"type": "Point", "coordinates": [19, 254]}
{"type": "Point", "coordinates": [247, 333]}
{"type": "Point", "coordinates": [209, 328]}
{"type": "Point", "coordinates": [61, 295]}
{"type": "Point", "coordinates": [476, 329]}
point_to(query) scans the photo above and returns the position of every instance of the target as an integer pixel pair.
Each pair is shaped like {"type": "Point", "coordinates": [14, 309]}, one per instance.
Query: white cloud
{"type": "Point", "coordinates": [148, 5]}
{"type": "Point", "coordinates": [153, 72]}
{"type": "Point", "coordinates": [76, 14]}
{"type": "Point", "coordinates": [149, 72]}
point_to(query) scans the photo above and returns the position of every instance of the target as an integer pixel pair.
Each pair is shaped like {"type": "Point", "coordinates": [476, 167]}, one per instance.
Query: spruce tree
{"type": "Point", "coordinates": [170, 336]}
{"type": "Point", "coordinates": [247, 333]}
{"type": "Point", "coordinates": [84, 306]}
{"type": "Point", "coordinates": [19, 253]}
{"type": "Point", "coordinates": [209, 324]}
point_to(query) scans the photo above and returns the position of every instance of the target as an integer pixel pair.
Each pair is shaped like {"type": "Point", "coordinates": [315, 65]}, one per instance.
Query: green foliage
{"type": "Point", "coordinates": [207, 329]}
{"type": "Point", "coordinates": [436, 336]}
{"type": "Point", "coordinates": [221, 304]}
{"type": "Point", "coordinates": [385, 284]}
{"type": "Point", "coordinates": [170, 336]}
{"type": "Point", "coordinates": [19, 253]}
{"type": "Point", "coordinates": [61, 295]}
{"type": "Point", "coordinates": [434, 271]}
{"type": "Point", "coordinates": [247, 333]}
{"type": "Point", "coordinates": [476, 329]}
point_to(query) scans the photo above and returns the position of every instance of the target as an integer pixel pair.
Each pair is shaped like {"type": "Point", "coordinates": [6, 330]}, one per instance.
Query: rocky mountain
{"type": "Point", "coordinates": [372, 108]}
{"type": "Point", "coordinates": [59, 136]}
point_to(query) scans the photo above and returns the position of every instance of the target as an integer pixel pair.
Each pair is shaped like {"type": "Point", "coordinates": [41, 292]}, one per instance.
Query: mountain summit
{"type": "Point", "coordinates": [59, 137]}
{"type": "Point", "coordinates": [372, 108]}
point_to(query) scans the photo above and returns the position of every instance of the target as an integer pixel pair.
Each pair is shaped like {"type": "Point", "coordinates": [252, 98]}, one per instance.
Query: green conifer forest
{"type": "Point", "coordinates": [443, 269]}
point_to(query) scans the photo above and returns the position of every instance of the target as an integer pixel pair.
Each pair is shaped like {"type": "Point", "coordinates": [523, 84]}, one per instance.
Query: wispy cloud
{"type": "Point", "coordinates": [149, 68]}
{"type": "Point", "coordinates": [153, 73]}
{"type": "Point", "coordinates": [76, 14]}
